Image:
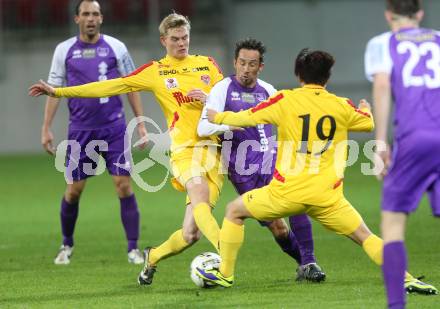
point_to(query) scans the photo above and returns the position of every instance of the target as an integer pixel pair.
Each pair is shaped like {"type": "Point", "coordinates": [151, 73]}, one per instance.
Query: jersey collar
{"type": "Point", "coordinates": [313, 86]}
{"type": "Point", "coordinates": [174, 61]}
{"type": "Point", "coordinates": [85, 44]}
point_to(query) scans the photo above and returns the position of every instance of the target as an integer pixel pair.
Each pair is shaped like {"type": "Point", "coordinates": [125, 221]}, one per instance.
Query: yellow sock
{"type": "Point", "coordinates": [206, 223]}
{"type": "Point", "coordinates": [172, 246]}
{"type": "Point", "coordinates": [373, 246]}
{"type": "Point", "coordinates": [231, 239]}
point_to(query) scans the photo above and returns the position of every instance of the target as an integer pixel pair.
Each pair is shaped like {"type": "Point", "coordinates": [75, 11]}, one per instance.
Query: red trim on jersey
{"type": "Point", "coordinates": [278, 176]}
{"type": "Point", "coordinates": [265, 104]}
{"type": "Point", "coordinates": [338, 183]}
{"type": "Point", "coordinates": [139, 69]}
{"type": "Point", "coordinates": [175, 119]}
{"type": "Point", "coordinates": [357, 110]}
{"type": "Point", "coordinates": [216, 65]}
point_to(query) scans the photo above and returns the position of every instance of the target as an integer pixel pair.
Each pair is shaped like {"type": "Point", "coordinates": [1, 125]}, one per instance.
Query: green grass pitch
{"type": "Point", "coordinates": [100, 277]}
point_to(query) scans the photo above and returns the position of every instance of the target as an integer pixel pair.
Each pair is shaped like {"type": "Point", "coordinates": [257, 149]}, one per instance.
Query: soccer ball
{"type": "Point", "coordinates": [206, 261]}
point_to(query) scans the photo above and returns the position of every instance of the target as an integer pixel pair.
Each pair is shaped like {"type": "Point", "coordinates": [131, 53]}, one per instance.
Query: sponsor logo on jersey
{"type": "Point", "coordinates": [168, 72]}
{"type": "Point", "coordinates": [182, 99]}
{"type": "Point", "coordinates": [205, 78]}
{"type": "Point", "coordinates": [89, 53]}
{"type": "Point", "coordinates": [198, 69]}
{"type": "Point", "coordinates": [235, 96]}
{"type": "Point", "coordinates": [171, 83]}
{"type": "Point", "coordinates": [76, 54]}
{"type": "Point", "coordinates": [260, 96]}
{"type": "Point", "coordinates": [247, 97]}
{"type": "Point", "coordinates": [103, 51]}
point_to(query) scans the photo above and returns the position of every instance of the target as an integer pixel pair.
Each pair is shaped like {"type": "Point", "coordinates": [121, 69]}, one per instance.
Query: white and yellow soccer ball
{"type": "Point", "coordinates": [205, 261]}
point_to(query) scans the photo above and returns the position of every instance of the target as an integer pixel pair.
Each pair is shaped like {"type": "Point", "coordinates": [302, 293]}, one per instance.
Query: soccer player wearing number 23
{"type": "Point", "coordinates": [405, 63]}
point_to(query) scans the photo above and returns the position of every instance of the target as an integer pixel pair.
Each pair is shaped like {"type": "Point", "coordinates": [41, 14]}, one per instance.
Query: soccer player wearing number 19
{"type": "Point", "coordinates": [242, 91]}
{"type": "Point", "coordinates": [405, 63]}
{"type": "Point", "coordinates": [317, 123]}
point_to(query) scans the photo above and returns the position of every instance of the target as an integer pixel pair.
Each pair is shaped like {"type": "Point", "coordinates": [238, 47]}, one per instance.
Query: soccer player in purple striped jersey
{"type": "Point", "coordinates": [404, 64]}
{"type": "Point", "coordinates": [250, 153]}
{"type": "Point", "coordinates": [89, 57]}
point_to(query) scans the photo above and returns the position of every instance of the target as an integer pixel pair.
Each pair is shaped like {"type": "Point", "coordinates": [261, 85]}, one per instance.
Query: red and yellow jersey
{"type": "Point", "coordinates": [170, 80]}
{"type": "Point", "coordinates": [313, 127]}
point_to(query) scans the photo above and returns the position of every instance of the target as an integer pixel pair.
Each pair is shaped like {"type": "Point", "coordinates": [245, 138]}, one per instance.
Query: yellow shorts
{"type": "Point", "coordinates": [190, 162]}
{"type": "Point", "coordinates": [340, 217]}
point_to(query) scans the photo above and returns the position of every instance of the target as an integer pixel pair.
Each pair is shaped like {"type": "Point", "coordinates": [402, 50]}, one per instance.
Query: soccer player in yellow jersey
{"type": "Point", "coordinates": [312, 132]}
{"type": "Point", "coordinates": [180, 82]}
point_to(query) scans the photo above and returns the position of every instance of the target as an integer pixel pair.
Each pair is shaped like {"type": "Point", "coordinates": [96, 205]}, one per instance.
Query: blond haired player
{"type": "Point", "coordinates": [179, 82]}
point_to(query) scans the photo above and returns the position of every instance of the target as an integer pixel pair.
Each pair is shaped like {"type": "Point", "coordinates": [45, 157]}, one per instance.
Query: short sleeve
{"type": "Point", "coordinates": [377, 57]}
{"type": "Point", "coordinates": [57, 73]}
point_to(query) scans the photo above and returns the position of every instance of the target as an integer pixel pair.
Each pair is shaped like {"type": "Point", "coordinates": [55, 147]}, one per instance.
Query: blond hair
{"type": "Point", "coordinates": [173, 20]}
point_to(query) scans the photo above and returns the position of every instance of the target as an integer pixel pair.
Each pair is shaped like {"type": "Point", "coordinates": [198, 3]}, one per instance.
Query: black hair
{"type": "Point", "coordinates": [78, 4]}
{"type": "Point", "coordinates": [404, 7]}
{"type": "Point", "coordinates": [314, 67]}
{"type": "Point", "coordinates": [250, 44]}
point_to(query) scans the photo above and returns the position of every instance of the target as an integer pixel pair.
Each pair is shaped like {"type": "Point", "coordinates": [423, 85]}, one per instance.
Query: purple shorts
{"type": "Point", "coordinates": [243, 185]}
{"type": "Point", "coordinates": [84, 149]}
{"type": "Point", "coordinates": [415, 170]}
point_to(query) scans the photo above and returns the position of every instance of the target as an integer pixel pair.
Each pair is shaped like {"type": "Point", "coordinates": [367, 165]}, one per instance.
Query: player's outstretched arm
{"type": "Point", "coordinates": [240, 119]}
{"type": "Point", "coordinates": [41, 88]}
{"type": "Point", "coordinates": [99, 89]}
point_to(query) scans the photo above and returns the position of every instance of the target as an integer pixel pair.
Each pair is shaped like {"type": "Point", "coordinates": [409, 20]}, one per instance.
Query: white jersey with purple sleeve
{"type": "Point", "coordinates": [75, 63]}
{"type": "Point", "coordinates": [252, 150]}
{"type": "Point", "coordinates": [411, 56]}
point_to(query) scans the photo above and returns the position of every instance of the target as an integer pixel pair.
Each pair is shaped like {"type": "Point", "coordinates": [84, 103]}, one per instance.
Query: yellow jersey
{"type": "Point", "coordinates": [170, 80]}
{"type": "Point", "coordinates": [313, 127]}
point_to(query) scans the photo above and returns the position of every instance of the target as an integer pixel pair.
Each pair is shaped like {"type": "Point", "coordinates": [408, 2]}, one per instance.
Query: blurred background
{"type": "Point", "coordinates": [31, 29]}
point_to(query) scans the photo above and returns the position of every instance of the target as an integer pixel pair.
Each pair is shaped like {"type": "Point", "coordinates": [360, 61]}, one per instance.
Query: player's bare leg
{"type": "Point", "coordinates": [68, 216]}
{"type": "Point", "coordinates": [176, 243]}
{"type": "Point", "coordinates": [198, 192]}
{"type": "Point", "coordinates": [129, 217]}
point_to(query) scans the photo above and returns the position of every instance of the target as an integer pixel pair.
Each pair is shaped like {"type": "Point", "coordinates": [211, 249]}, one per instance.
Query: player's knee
{"type": "Point", "coordinates": [233, 211]}
{"type": "Point", "coordinates": [123, 187]}
{"type": "Point", "coordinates": [72, 195]}
{"type": "Point", "coordinates": [279, 229]}
{"type": "Point", "coordinates": [191, 236]}
{"type": "Point", "coordinates": [361, 234]}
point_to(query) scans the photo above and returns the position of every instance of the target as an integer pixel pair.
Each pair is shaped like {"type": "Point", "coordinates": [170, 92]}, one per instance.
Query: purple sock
{"type": "Point", "coordinates": [130, 220]}
{"type": "Point", "coordinates": [393, 269]}
{"type": "Point", "coordinates": [68, 215]}
{"type": "Point", "coordinates": [290, 246]}
{"type": "Point", "coordinates": [302, 228]}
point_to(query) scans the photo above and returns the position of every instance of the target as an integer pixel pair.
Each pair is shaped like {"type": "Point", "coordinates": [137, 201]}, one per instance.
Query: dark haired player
{"type": "Point", "coordinates": [250, 158]}
{"type": "Point", "coordinates": [308, 177]}
{"type": "Point", "coordinates": [404, 63]}
{"type": "Point", "coordinates": [89, 57]}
